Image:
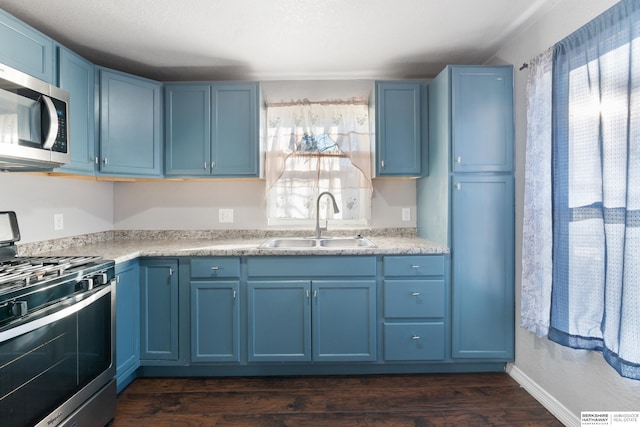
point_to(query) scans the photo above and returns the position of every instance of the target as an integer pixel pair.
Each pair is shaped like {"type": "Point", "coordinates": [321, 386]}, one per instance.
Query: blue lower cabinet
{"type": "Point", "coordinates": [344, 320]}
{"type": "Point", "coordinates": [127, 322]}
{"type": "Point", "coordinates": [318, 320]}
{"type": "Point", "coordinates": [159, 310]}
{"type": "Point", "coordinates": [483, 267]}
{"type": "Point", "coordinates": [215, 321]}
{"type": "Point", "coordinates": [279, 321]}
{"type": "Point", "coordinates": [417, 341]}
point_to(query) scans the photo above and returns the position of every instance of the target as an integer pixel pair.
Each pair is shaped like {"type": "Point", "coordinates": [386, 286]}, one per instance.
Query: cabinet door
{"type": "Point", "coordinates": [279, 321]}
{"type": "Point", "coordinates": [399, 128]}
{"type": "Point", "coordinates": [483, 267]}
{"type": "Point", "coordinates": [159, 309]}
{"type": "Point", "coordinates": [188, 129]}
{"type": "Point", "coordinates": [344, 320]}
{"type": "Point", "coordinates": [482, 119]}
{"type": "Point", "coordinates": [130, 132]}
{"type": "Point", "coordinates": [215, 322]}
{"type": "Point", "coordinates": [77, 76]}
{"type": "Point", "coordinates": [25, 49]}
{"type": "Point", "coordinates": [127, 321]}
{"type": "Point", "coordinates": [235, 129]}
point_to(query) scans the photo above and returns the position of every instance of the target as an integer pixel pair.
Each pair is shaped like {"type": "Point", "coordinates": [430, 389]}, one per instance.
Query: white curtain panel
{"type": "Point", "coordinates": [314, 147]}
{"type": "Point", "coordinates": [537, 235]}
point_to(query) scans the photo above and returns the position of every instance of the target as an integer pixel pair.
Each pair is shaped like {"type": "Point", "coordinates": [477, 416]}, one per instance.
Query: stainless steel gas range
{"type": "Point", "coordinates": [57, 344]}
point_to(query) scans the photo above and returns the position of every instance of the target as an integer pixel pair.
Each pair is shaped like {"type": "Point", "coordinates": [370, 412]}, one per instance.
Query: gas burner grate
{"type": "Point", "coordinates": [22, 271]}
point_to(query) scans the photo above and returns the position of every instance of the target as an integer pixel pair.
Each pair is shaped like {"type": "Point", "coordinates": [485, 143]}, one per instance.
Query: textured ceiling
{"type": "Point", "coordinates": [280, 39]}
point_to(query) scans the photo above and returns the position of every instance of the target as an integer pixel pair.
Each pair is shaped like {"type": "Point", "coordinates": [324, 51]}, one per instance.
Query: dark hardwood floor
{"type": "Point", "coordinates": [492, 399]}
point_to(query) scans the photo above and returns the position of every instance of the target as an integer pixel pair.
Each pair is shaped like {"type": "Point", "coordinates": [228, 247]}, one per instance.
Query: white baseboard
{"type": "Point", "coordinates": [558, 410]}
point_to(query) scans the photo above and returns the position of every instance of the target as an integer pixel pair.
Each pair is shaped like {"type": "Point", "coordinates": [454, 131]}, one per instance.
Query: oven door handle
{"type": "Point", "coordinates": [53, 317]}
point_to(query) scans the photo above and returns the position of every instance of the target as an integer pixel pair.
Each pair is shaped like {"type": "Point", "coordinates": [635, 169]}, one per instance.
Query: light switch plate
{"type": "Point", "coordinates": [225, 215]}
{"type": "Point", "coordinates": [406, 214]}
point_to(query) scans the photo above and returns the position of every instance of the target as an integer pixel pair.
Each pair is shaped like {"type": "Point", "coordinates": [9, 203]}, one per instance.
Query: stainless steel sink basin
{"type": "Point", "coordinates": [348, 242]}
{"type": "Point", "coordinates": [289, 243]}
{"type": "Point", "coordinates": [313, 243]}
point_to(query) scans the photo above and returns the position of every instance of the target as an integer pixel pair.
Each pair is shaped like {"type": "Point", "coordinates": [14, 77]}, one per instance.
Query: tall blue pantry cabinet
{"type": "Point", "coordinates": [467, 203]}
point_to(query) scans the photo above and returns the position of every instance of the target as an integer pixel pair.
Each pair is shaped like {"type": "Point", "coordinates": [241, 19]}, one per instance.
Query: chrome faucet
{"type": "Point", "coordinates": [319, 229]}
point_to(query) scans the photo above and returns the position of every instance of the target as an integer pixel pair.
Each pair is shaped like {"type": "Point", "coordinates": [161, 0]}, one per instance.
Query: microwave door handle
{"type": "Point", "coordinates": [52, 132]}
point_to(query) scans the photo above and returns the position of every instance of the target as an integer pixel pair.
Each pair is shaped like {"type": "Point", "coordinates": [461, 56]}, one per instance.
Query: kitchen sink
{"type": "Point", "coordinates": [314, 243]}
{"type": "Point", "coordinates": [289, 242]}
{"type": "Point", "coordinates": [348, 242]}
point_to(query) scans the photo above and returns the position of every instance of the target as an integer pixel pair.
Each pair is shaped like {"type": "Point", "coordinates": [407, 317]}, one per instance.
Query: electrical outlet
{"type": "Point", "coordinates": [58, 222]}
{"type": "Point", "coordinates": [406, 214]}
{"type": "Point", "coordinates": [225, 215]}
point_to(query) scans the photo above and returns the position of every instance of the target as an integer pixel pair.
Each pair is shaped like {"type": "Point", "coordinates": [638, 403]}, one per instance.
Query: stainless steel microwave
{"type": "Point", "coordinates": [34, 123]}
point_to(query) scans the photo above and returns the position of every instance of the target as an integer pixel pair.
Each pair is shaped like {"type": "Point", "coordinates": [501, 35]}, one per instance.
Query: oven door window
{"type": "Point", "coordinates": [41, 369]}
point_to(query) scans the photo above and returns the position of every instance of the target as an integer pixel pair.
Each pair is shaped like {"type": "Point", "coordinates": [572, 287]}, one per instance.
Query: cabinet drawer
{"type": "Point", "coordinates": [311, 266]}
{"type": "Point", "coordinates": [414, 298]}
{"type": "Point", "coordinates": [211, 267]}
{"type": "Point", "coordinates": [418, 265]}
{"type": "Point", "coordinates": [414, 341]}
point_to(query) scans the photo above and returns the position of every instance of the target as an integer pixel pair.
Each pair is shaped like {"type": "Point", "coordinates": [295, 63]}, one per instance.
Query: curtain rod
{"type": "Point", "coordinates": [307, 101]}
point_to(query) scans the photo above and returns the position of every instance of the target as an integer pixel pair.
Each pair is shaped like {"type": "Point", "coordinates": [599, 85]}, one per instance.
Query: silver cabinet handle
{"type": "Point", "coordinates": [382, 164]}
{"type": "Point", "coordinates": [170, 271]}
{"type": "Point", "coordinates": [458, 186]}
{"type": "Point", "coordinates": [307, 293]}
{"type": "Point", "coordinates": [415, 267]}
{"type": "Point", "coordinates": [213, 165]}
{"type": "Point", "coordinates": [234, 294]}
{"type": "Point", "coordinates": [96, 160]}
{"type": "Point", "coordinates": [215, 268]}
{"type": "Point", "coordinates": [205, 165]}
{"type": "Point", "coordinates": [459, 159]}
{"type": "Point", "coordinates": [415, 294]}
{"type": "Point", "coordinates": [415, 337]}
{"type": "Point", "coordinates": [315, 293]}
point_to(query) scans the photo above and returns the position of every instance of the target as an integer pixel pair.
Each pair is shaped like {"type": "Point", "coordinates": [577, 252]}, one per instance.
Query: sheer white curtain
{"type": "Point", "coordinates": [314, 147]}
{"type": "Point", "coordinates": [537, 233]}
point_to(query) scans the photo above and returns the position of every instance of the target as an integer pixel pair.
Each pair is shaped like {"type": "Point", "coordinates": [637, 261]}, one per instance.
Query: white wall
{"type": "Point", "coordinates": [86, 206]}
{"type": "Point", "coordinates": [195, 205]}
{"type": "Point", "coordinates": [579, 380]}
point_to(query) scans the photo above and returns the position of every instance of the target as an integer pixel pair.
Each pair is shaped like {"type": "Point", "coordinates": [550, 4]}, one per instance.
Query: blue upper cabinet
{"type": "Point", "coordinates": [234, 125]}
{"type": "Point", "coordinates": [25, 49]}
{"type": "Point", "coordinates": [212, 129]}
{"type": "Point", "coordinates": [130, 125]}
{"type": "Point", "coordinates": [400, 128]}
{"type": "Point", "coordinates": [482, 118]}
{"type": "Point", "coordinates": [77, 76]}
{"type": "Point", "coordinates": [187, 129]}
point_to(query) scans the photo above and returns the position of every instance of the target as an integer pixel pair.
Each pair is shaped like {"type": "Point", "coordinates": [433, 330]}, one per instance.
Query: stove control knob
{"type": "Point", "coordinates": [85, 284]}
{"type": "Point", "coordinates": [101, 279]}
{"type": "Point", "coordinates": [18, 308]}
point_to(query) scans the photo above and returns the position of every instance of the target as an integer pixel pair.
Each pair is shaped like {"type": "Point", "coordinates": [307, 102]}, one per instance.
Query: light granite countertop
{"type": "Point", "coordinates": [124, 246]}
